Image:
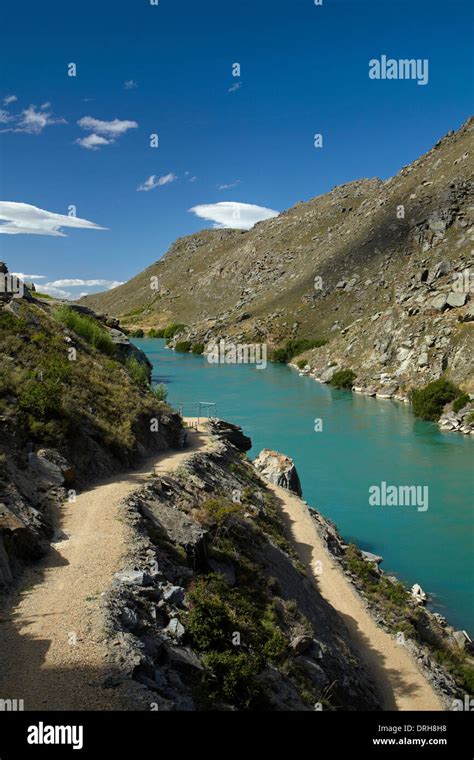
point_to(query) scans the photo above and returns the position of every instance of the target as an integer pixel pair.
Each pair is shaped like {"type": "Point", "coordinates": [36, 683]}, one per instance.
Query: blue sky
{"type": "Point", "coordinates": [304, 70]}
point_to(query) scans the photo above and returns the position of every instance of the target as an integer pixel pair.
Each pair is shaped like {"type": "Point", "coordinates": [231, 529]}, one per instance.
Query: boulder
{"type": "Point", "coordinates": [439, 301]}
{"type": "Point", "coordinates": [278, 469]}
{"type": "Point", "coordinates": [51, 467]}
{"type": "Point", "coordinates": [418, 594]}
{"type": "Point", "coordinates": [328, 374]}
{"type": "Point", "coordinates": [455, 300]}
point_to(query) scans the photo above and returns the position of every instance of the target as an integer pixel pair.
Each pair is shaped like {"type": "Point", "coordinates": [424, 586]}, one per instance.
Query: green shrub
{"type": "Point", "coordinates": [155, 333]}
{"type": "Point", "coordinates": [172, 329]}
{"type": "Point", "coordinates": [343, 379]}
{"type": "Point", "coordinates": [235, 677]}
{"type": "Point", "coordinates": [294, 347]}
{"type": "Point", "coordinates": [461, 402]}
{"type": "Point", "coordinates": [301, 363]}
{"type": "Point", "coordinates": [280, 355]}
{"type": "Point", "coordinates": [88, 328]}
{"type": "Point", "coordinates": [218, 509]}
{"type": "Point", "coordinates": [137, 334]}
{"type": "Point", "coordinates": [160, 392]}
{"type": "Point", "coordinates": [137, 371]}
{"type": "Point", "coordinates": [183, 346]}
{"type": "Point", "coordinates": [428, 402]}
{"type": "Point", "coordinates": [198, 348]}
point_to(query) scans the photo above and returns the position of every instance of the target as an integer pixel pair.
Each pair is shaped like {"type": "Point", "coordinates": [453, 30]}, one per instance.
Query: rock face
{"type": "Point", "coordinates": [279, 470]}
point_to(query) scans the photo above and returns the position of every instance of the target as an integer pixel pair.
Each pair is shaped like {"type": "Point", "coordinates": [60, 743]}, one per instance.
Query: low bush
{"type": "Point", "coordinates": [137, 371]}
{"type": "Point", "coordinates": [155, 333]}
{"type": "Point", "coordinates": [160, 392]}
{"type": "Point", "coordinates": [183, 346]}
{"type": "Point", "coordinates": [343, 379]}
{"type": "Point", "coordinates": [461, 402]}
{"type": "Point", "coordinates": [137, 334]}
{"type": "Point", "coordinates": [198, 348]}
{"type": "Point", "coordinates": [428, 402]}
{"type": "Point", "coordinates": [171, 330]}
{"type": "Point", "coordinates": [294, 347]}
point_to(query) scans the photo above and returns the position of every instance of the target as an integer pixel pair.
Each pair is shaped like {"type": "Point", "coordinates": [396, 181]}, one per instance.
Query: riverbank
{"type": "Point", "coordinates": [384, 389]}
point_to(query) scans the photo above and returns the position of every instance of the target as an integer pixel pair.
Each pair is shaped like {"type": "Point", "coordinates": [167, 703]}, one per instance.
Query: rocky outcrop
{"type": "Point", "coordinates": [233, 434]}
{"type": "Point", "coordinates": [279, 470]}
{"type": "Point", "coordinates": [191, 546]}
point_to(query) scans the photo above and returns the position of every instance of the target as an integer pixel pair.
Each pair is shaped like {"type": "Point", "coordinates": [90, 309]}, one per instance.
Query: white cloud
{"type": "Point", "coordinates": [155, 181]}
{"type": "Point", "coordinates": [92, 142]}
{"type": "Point", "coordinates": [239, 216]}
{"type": "Point", "coordinates": [17, 218]}
{"type": "Point", "coordinates": [78, 283]}
{"type": "Point", "coordinates": [130, 84]}
{"type": "Point", "coordinates": [33, 120]}
{"type": "Point", "coordinates": [110, 129]}
{"type": "Point", "coordinates": [9, 99]}
{"type": "Point", "coordinates": [103, 132]}
{"type": "Point", "coordinates": [231, 184]}
{"type": "Point", "coordinates": [55, 292]}
{"type": "Point", "coordinates": [5, 117]}
{"type": "Point", "coordinates": [235, 87]}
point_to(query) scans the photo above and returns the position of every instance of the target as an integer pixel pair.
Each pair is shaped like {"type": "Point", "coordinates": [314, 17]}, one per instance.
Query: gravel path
{"type": "Point", "coordinates": [52, 651]}
{"type": "Point", "coordinates": [401, 684]}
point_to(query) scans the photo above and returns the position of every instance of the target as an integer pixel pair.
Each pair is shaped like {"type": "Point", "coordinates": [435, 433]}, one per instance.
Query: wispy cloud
{"type": "Point", "coordinates": [231, 184]}
{"type": "Point", "coordinates": [103, 132]}
{"type": "Point", "coordinates": [92, 142]}
{"type": "Point", "coordinates": [155, 181]}
{"type": "Point", "coordinates": [236, 86]}
{"type": "Point", "coordinates": [9, 99]}
{"type": "Point", "coordinates": [130, 84]}
{"type": "Point", "coordinates": [239, 216]}
{"type": "Point", "coordinates": [29, 277]}
{"type": "Point", "coordinates": [32, 120]}
{"type": "Point", "coordinates": [79, 283]}
{"type": "Point", "coordinates": [22, 218]}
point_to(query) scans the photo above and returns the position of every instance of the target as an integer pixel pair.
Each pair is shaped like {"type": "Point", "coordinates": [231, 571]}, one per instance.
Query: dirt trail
{"type": "Point", "coordinates": [52, 650]}
{"type": "Point", "coordinates": [401, 684]}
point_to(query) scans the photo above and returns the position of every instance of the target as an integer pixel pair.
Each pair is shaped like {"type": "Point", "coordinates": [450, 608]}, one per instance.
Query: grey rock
{"type": "Point", "coordinates": [175, 629]}
{"type": "Point", "coordinates": [174, 595]}
{"type": "Point", "coordinates": [455, 300]}
{"type": "Point", "coordinates": [278, 469]}
{"type": "Point", "coordinates": [132, 578]}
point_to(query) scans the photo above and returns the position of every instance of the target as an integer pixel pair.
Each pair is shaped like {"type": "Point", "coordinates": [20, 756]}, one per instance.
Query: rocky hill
{"type": "Point", "coordinates": [381, 270]}
{"type": "Point", "coordinates": [75, 404]}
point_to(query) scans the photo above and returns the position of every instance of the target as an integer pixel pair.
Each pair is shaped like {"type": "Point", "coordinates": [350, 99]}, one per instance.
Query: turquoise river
{"type": "Point", "coordinates": [363, 442]}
